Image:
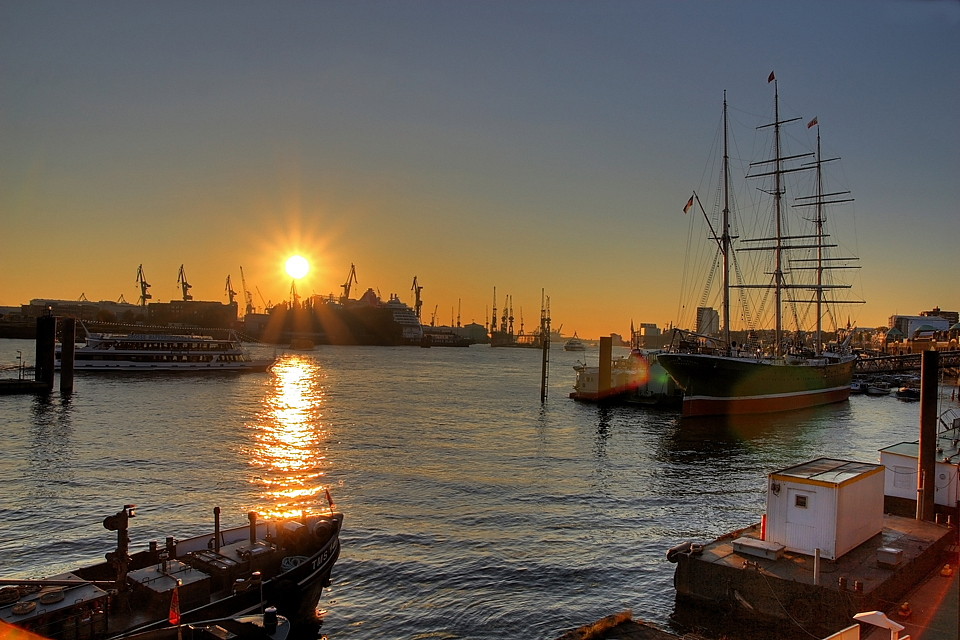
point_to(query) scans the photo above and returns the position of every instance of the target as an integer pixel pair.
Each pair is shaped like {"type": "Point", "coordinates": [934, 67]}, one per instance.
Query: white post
{"type": "Point", "coordinates": [816, 566]}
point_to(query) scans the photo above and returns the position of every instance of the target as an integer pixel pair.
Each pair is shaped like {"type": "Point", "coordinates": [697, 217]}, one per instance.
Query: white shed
{"type": "Point", "coordinates": [827, 504]}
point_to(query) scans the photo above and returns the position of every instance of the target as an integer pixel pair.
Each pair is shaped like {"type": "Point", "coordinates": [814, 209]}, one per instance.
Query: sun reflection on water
{"type": "Point", "coordinates": [289, 439]}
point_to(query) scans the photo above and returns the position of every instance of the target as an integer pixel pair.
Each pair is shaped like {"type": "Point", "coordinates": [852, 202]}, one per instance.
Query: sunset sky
{"type": "Point", "coordinates": [525, 146]}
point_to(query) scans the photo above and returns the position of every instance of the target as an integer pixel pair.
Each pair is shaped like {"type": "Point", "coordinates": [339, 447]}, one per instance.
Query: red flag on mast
{"type": "Point", "coordinates": [771, 77]}
{"type": "Point", "coordinates": [329, 499]}
{"type": "Point", "coordinates": [689, 204]}
{"type": "Point", "coordinates": [812, 123]}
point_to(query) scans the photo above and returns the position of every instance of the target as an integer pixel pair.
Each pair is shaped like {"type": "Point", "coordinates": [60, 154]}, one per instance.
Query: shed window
{"type": "Point", "coordinates": [801, 501]}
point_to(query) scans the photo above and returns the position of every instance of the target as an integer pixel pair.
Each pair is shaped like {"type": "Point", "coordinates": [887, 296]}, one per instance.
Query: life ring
{"type": "Point", "coordinates": [291, 562]}
{"type": "Point", "coordinates": [23, 608]}
{"type": "Point", "coordinates": [9, 595]}
{"type": "Point", "coordinates": [53, 595]}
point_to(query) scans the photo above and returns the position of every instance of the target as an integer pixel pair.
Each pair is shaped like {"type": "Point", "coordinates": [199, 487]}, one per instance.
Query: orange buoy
{"type": "Point", "coordinates": [946, 571]}
{"type": "Point", "coordinates": [904, 611]}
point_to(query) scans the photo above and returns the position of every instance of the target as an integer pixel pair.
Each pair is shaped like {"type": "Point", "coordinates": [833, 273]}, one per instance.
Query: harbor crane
{"type": "Point", "coordinates": [144, 287]}
{"type": "Point", "coordinates": [266, 305]}
{"type": "Point", "coordinates": [416, 293]}
{"type": "Point", "coordinates": [351, 279]}
{"type": "Point", "coordinates": [294, 296]}
{"type": "Point", "coordinates": [231, 294]}
{"type": "Point", "coordinates": [184, 285]}
{"type": "Point", "coordinates": [247, 296]}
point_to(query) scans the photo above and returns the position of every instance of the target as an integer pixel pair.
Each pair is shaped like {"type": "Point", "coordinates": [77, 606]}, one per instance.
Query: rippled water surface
{"type": "Point", "coordinates": [472, 510]}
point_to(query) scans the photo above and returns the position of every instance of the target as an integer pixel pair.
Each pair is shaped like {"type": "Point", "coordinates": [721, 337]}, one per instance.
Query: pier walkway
{"type": "Point", "coordinates": [906, 362]}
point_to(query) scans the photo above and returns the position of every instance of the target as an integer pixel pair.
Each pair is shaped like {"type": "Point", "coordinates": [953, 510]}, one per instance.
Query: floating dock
{"type": "Point", "coordinates": [9, 387]}
{"type": "Point", "coordinates": [740, 573]}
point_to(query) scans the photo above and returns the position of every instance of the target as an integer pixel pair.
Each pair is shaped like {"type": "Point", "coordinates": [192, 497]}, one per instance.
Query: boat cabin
{"type": "Point", "coordinates": [901, 462]}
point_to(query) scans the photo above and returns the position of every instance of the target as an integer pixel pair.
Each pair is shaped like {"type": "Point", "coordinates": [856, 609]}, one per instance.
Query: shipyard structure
{"type": "Point", "coordinates": [337, 320]}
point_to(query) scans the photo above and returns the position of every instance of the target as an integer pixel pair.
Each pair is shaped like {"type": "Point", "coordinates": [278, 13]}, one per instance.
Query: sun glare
{"type": "Point", "coordinates": [297, 266]}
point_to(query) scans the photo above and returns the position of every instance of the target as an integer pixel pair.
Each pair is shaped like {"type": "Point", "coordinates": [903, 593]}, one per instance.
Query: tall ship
{"type": "Point", "coordinates": [765, 372]}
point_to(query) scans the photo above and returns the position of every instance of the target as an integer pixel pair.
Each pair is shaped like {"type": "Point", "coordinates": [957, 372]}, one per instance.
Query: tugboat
{"type": "Point", "coordinates": [219, 575]}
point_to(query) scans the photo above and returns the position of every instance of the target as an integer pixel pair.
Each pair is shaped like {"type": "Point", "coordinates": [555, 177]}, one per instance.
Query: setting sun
{"type": "Point", "coordinates": [297, 266]}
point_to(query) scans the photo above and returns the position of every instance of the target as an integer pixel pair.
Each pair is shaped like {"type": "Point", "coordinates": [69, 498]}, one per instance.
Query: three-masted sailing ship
{"type": "Point", "coordinates": [720, 376]}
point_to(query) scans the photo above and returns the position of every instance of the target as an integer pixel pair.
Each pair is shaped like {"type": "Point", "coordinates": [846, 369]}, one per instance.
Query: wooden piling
{"type": "Point", "coordinates": [926, 464]}
{"type": "Point", "coordinates": [45, 361]}
{"type": "Point", "coordinates": [68, 332]}
{"type": "Point", "coordinates": [606, 366]}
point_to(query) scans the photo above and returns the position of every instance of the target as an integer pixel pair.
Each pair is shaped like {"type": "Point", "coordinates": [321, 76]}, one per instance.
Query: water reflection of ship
{"type": "Point", "coordinates": [367, 320]}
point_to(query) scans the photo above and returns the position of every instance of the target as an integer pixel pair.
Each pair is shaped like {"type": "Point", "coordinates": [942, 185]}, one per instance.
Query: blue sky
{"type": "Point", "coordinates": [517, 145]}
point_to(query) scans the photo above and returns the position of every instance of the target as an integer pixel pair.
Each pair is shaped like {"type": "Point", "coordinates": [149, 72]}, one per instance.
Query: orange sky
{"type": "Point", "coordinates": [538, 147]}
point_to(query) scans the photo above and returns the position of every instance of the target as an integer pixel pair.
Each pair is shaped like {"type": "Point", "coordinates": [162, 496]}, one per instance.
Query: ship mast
{"type": "Point", "coordinates": [725, 238]}
{"type": "Point", "coordinates": [778, 238]}
{"type": "Point", "coordinates": [823, 263]}
{"type": "Point", "coordinates": [777, 196]}
{"type": "Point", "coordinates": [819, 225]}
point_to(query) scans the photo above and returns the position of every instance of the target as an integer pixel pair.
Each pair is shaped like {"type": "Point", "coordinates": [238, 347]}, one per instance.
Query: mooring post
{"type": "Point", "coordinates": [46, 349]}
{"type": "Point", "coordinates": [926, 464]}
{"type": "Point", "coordinates": [68, 332]}
{"type": "Point", "coordinates": [606, 366]}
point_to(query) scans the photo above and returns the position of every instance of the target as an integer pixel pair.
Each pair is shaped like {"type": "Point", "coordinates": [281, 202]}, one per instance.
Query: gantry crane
{"type": "Point", "coordinates": [144, 287]}
{"type": "Point", "coordinates": [351, 279]}
{"type": "Point", "coordinates": [184, 285]}
{"type": "Point", "coordinates": [416, 293]}
{"type": "Point", "coordinates": [231, 294]}
{"type": "Point", "coordinates": [247, 296]}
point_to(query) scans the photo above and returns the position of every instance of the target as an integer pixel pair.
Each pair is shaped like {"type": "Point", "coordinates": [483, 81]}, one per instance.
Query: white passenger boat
{"type": "Point", "coordinates": [574, 344]}
{"type": "Point", "coordinates": [163, 352]}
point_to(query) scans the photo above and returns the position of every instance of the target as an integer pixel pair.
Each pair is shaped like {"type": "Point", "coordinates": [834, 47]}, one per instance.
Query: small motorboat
{"type": "Point", "coordinates": [908, 393]}
{"type": "Point", "coordinates": [226, 573]}
{"type": "Point", "coordinates": [876, 389]}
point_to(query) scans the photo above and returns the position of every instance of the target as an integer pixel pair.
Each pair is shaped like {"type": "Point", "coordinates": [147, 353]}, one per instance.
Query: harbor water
{"type": "Point", "coordinates": [471, 509]}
